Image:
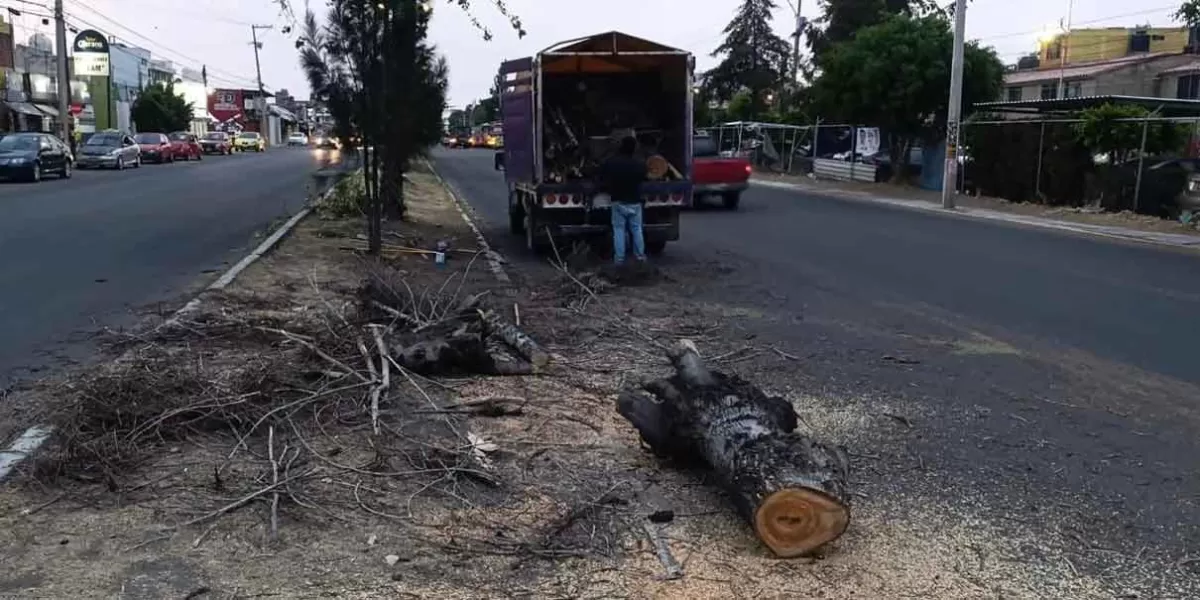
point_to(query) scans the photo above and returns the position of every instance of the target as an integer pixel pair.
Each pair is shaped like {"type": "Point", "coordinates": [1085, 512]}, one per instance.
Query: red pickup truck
{"type": "Point", "coordinates": [713, 175]}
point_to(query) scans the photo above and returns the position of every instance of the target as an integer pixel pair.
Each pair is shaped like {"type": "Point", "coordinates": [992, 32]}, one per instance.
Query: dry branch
{"type": "Point", "coordinates": [791, 488]}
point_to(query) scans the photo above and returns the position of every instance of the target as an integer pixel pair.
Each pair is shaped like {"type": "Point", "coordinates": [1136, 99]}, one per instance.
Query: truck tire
{"type": "Point", "coordinates": [533, 243]}
{"type": "Point", "coordinates": [516, 215]}
{"type": "Point", "coordinates": [731, 200]}
{"type": "Point", "coordinates": [655, 247]}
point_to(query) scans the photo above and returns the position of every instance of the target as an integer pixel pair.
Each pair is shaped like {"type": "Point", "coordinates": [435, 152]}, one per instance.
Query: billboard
{"type": "Point", "coordinates": [226, 104]}
{"type": "Point", "coordinates": [90, 51]}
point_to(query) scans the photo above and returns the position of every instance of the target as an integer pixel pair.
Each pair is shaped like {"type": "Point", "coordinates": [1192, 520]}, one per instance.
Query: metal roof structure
{"type": "Point", "coordinates": [1080, 70]}
{"type": "Point", "coordinates": [1167, 107]}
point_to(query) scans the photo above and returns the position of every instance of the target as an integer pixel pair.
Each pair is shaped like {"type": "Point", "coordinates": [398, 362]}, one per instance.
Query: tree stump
{"type": "Point", "coordinates": [789, 487]}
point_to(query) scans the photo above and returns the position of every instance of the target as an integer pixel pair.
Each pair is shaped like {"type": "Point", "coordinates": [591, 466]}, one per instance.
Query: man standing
{"type": "Point", "coordinates": [621, 178]}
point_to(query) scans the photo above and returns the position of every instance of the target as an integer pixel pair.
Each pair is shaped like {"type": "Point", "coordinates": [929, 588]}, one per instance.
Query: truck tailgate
{"type": "Point", "coordinates": [720, 170]}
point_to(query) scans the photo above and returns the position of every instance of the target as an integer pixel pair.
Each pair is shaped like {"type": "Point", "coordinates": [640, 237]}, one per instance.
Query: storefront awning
{"type": "Point", "coordinates": [24, 108]}
{"type": "Point", "coordinates": [49, 110]}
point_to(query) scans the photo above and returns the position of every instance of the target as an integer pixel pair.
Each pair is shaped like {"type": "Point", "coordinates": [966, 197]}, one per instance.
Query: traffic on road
{"type": "Point", "coordinates": [33, 157]}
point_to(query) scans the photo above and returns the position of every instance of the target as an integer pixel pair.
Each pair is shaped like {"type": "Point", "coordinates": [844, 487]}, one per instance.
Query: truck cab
{"type": "Point", "coordinates": [563, 113]}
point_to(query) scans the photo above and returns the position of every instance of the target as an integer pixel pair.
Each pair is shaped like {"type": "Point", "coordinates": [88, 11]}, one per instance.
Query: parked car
{"type": "Point", "coordinates": [717, 176]}
{"type": "Point", "coordinates": [156, 147]}
{"type": "Point", "coordinates": [297, 139]}
{"type": "Point", "coordinates": [249, 141]}
{"type": "Point", "coordinates": [216, 142]}
{"type": "Point", "coordinates": [109, 150]}
{"type": "Point", "coordinates": [31, 155]}
{"type": "Point", "coordinates": [184, 146]}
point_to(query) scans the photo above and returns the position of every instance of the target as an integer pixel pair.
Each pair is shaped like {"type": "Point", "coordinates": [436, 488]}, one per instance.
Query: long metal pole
{"type": "Point", "coordinates": [796, 44]}
{"type": "Point", "coordinates": [64, 84]}
{"type": "Point", "coordinates": [1062, 51]}
{"type": "Point", "coordinates": [262, 97]}
{"type": "Point", "coordinates": [954, 110]}
{"type": "Point", "coordinates": [1037, 181]}
{"type": "Point", "coordinates": [1137, 185]}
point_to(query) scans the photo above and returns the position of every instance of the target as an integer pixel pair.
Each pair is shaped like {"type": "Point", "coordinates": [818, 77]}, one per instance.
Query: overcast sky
{"type": "Point", "coordinates": [217, 32]}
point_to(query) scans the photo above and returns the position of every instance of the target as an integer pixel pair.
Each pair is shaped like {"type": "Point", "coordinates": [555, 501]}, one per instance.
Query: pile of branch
{"type": "Point", "coordinates": [791, 488]}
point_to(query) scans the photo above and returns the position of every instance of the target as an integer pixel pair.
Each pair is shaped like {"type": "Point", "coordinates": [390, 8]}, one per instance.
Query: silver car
{"type": "Point", "coordinates": [108, 150]}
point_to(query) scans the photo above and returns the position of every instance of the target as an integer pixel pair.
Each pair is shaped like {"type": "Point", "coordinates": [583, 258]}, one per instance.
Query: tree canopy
{"type": "Point", "coordinates": [159, 108]}
{"type": "Point", "coordinates": [896, 76]}
{"type": "Point", "coordinates": [1106, 130]}
{"type": "Point", "coordinates": [754, 57]}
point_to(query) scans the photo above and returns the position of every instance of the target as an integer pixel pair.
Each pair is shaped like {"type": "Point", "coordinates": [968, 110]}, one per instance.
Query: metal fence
{"type": "Point", "coordinates": [786, 149]}
{"type": "Point", "coordinates": [1043, 161]}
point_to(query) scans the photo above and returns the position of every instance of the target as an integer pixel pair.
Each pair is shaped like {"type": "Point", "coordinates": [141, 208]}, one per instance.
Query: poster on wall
{"type": "Point", "coordinates": [90, 51]}
{"type": "Point", "coordinates": [868, 141]}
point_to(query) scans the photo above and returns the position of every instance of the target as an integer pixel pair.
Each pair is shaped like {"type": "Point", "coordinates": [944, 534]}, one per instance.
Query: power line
{"type": "Point", "coordinates": [165, 49]}
{"type": "Point", "coordinates": [1089, 22]}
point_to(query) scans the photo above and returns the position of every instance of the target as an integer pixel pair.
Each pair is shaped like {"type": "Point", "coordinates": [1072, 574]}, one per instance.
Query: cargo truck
{"type": "Point", "coordinates": [564, 112]}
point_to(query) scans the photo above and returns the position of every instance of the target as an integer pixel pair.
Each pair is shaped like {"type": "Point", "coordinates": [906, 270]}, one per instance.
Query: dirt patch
{"type": "Point", "coordinates": [1124, 219]}
{"type": "Point", "coordinates": [239, 455]}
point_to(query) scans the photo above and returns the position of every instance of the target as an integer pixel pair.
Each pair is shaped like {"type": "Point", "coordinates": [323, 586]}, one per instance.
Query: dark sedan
{"type": "Point", "coordinates": [30, 156]}
{"type": "Point", "coordinates": [155, 147]}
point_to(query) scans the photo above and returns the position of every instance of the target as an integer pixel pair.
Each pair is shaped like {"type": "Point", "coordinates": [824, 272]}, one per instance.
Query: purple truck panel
{"type": "Point", "coordinates": [516, 114]}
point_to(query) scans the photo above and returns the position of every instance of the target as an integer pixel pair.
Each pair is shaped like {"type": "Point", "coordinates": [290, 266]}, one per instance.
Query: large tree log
{"type": "Point", "coordinates": [791, 489]}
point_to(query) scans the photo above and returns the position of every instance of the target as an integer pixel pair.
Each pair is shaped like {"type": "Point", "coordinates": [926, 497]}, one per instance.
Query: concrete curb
{"type": "Point", "coordinates": [495, 259]}
{"type": "Point", "coordinates": [1172, 240]}
{"type": "Point", "coordinates": [29, 441]}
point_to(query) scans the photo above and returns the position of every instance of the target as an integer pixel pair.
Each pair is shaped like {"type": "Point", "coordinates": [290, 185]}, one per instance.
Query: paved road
{"type": "Point", "coordinates": [1132, 304]}
{"type": "Point", "coordinates": [80, 254]}
{"type": "Point", "coordinates": [1049, 380]}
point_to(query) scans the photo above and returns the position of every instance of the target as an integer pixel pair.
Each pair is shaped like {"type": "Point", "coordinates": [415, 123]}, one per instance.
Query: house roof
{"type": "Point", "coordinates": [1191, 67]}
{"type": "Point", "coordinates": [1167, 107]}
{"type": "Point", "coordinates": [1080, 70]}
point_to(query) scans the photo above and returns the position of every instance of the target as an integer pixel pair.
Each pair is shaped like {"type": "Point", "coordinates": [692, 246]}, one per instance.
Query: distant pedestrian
{"type": "Point", "coordinates": [621, 178]}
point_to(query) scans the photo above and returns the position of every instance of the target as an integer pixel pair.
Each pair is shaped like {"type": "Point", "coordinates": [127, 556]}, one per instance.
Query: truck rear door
{"type": "Point", "coordinates": [515, 83]}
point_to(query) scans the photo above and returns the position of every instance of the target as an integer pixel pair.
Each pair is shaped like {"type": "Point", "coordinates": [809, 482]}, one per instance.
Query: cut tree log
{"type": "Point", "coordinates": [516, 339]}
{"type": "Point", "coordinates": [789, 487]}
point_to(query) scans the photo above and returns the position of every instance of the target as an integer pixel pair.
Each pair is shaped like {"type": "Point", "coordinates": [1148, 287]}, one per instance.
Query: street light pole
{"type": "Point", "coordinates": [64, 84]}
{"type": "Point", "coordinates": [262, 94]}
{"type": "Point", "coordinates": [954, 110]}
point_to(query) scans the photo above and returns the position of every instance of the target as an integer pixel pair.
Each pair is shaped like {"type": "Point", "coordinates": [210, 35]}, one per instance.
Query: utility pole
{"type": "Point", "coordinates": [1064, 47]}
{"type": "Point", "coordinates": [954, 111]}
{"type": "Point", "coordinates": [262, 94]}
{"type": "Point", "coordinates": [64, 83]}
{"type": "Point", "coordinates": [800, 22]}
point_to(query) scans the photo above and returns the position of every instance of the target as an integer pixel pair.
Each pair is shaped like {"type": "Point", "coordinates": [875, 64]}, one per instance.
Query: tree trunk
{"type": "Point", "coordinates": [789, 487]}
{"type": "Point", "coordinates": [898, 151]}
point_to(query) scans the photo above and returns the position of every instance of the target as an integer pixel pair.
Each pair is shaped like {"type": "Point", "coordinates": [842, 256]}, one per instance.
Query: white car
{"type": "Point", "coordinates": [297, 139]}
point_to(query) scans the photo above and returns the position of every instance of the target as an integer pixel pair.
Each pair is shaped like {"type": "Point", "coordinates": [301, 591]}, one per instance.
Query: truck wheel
{"type": "Point", "coordinates": [516, 216]}
{"type": "Point", "coordinates": [533, 243]}
{"type": "Point", "coordinates": [731, 200]}
{"type": "Point", "coordinates": [655, 247]}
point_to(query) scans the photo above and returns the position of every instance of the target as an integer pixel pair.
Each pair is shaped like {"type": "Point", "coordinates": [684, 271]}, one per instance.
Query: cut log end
{"type": "Point", "coordinates": [794, 522]}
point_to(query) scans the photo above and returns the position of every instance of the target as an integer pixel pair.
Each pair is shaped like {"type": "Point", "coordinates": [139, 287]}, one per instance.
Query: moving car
{"type": "Point", "coordinates": [297, 139]}
{"type": "Point", "coordinates": [716, 176]}
{"type": "Point", "coordinates": [156, 147]}
{"type": "Point", "coordinates": [216, 142]}
{"type": "Point", "coordinates": [110, 150]}
{"type": "Point", "coordinates": [249, 141]}
{"type": "Point", "coordinates": [184, 146]}
{"type": "Point", "coordinates": [29, 156]}
{"type": "Point", "coordinates": [327, 142]}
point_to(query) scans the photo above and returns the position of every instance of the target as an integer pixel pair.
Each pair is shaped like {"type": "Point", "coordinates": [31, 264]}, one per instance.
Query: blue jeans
{"type": "Point", "coordinates": [627, 217]}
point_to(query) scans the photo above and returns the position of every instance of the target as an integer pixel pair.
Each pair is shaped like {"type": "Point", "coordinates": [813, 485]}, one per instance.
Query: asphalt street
{"type": "Point", "coordinates": [90, 252]}
{"type": "Point", "coordinates": [1042, 379]}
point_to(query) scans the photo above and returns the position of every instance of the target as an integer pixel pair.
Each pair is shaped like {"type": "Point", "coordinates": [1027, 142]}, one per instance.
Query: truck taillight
{"type": "Point", "coordinates": [749, 170]}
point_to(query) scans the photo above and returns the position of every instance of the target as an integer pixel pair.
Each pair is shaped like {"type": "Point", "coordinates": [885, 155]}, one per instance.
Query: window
{"type": "Point", "coordinates": [704, 146]}
{"type": "Point", "coordinates": [1014, 94]}
{"type": "Point", "coordinates": [1187, 87]}
{"type": "Point", "coordinates": [1049, 91]}
{"type": "Point", "coordinates": [1073, 90]}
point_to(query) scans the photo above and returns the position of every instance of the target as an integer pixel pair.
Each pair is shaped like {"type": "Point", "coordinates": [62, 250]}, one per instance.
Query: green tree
{"type": "Point", "coordinates": [841, 19]}
{"type": "Point", "coordinates": [896, 76]}
{"type": "Point", "coordinates": [1110, 130]}
{"type": "Point", "coordinates": [753, 57]}
{"type": "Point", "coordinates": [159, 108]}
{"type": "Point", "coordinates": [372, 65]}
{"type": "Point", "coordinates": [1188, 13]}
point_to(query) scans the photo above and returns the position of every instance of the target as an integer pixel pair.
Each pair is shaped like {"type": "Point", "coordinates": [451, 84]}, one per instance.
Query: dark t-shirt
{"type": "Point", "coordinates": [621, 177]}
